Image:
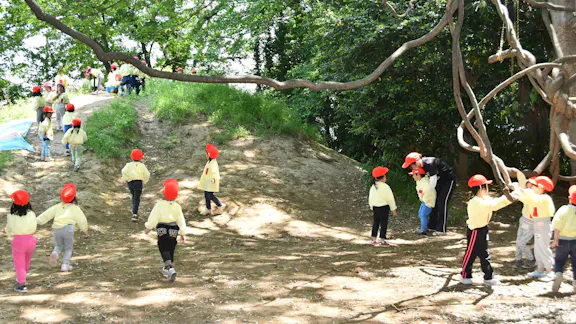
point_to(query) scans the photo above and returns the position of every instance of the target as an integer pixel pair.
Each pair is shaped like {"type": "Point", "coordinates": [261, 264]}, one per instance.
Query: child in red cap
{"type": "Point", "coordinates": [542, 211]}
{"type": "Point", "coordinates": [210, 180]}
{"type": "Point", "coordinates": [67, 215]}
{"type": "Point", "coordinates": [46, 133]}
{"type": "Point", "coordinates": [381, 201]}
{"type": "Point", "coordinates": [480, 209]}
{"type": "Point", "coordinates": [135, 174]}
{"type": "Point", "coordinates": [21, 223]}
{"type": "Point", "coordinates": [76, 137]}
{"type": "Point", "coordinates": [38, 103]}
{"type": "Point", "coordinates": [168, 219]}
{"type": "Point", "coordinates": [564, 224]}
{"type": "Point", "coordinates": [59, 102]}
{"type": "Point", "coordinates": [525, 231]}
{"type": "Point", "coordinates": [427, 196]}
{"type": "Point", "coordinates": [67, 121]}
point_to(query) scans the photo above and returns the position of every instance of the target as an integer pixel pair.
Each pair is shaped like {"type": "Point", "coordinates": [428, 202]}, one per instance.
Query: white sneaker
{"type": "Point", "coordinates": [171, 274]}
{"type": "Point", "coordinates": [466, 281]}
{"type": "Point", "coordinates": [438, 233]}
{"type": "Point", "coordinates": [548, 276]}
{"type": "Point", "coordinates": [205, 212]}
{"type": "Point", "coordinates": [53, 260]}
{"type": "Point", "coordinates": [492, 282]}
{"type": "Point", "coordinates": [165, 272]}
{"type": "Point", "coordinates": [536, 274]}
{"type": "Point", "coordinates": [65, 267]}
{"type": "Point", "coordinates": [557, 282]}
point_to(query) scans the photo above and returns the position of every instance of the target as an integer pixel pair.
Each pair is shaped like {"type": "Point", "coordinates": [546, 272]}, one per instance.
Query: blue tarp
{"type": "Point", "coordinates": [12, 135]}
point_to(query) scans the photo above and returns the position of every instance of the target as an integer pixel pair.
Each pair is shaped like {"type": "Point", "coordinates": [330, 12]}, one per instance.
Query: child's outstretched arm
{"type": "Point", "coordinates": [47, 216]}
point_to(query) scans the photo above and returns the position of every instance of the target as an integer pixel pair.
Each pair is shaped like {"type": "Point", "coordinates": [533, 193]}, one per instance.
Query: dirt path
{"type": "Point", "coordinates": [291, 248]}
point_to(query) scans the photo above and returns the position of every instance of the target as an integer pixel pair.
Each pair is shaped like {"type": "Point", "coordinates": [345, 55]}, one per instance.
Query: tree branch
{"type": "Point", "coordinates": [552, 33]}
{"type": "Point", "coordinates": [279, 85]}
{"type": "Point", "coordinates": [410, 8]}
{"type": "Point", "coordinates": [549, 6]}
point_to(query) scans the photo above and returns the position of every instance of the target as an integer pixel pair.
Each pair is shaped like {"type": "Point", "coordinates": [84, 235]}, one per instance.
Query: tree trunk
{"type": "Point", "coordinates": [462, 167]}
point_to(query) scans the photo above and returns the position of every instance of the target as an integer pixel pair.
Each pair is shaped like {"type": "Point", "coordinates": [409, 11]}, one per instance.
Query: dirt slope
{"type": "Point", "coordinates": [291, 247]}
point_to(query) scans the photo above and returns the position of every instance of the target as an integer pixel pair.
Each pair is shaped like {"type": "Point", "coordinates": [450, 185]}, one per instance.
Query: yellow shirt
{"type": "Point", "coordinates": [381, 195]}
{"type": "Point", "coordinates": [62, 78]}
{"type": "Point", "coordinates": [565, 221]}
{"type": "Point", "coordinates": [95, 72]}
{"type": "Point", "coordinates": [38, 102]}
{"type": "Point", "coordinates": [112, 79]}
{"type": "Point", "coordinates": [61, 100]}
{"type": "Point", "coordinates": [210, 179]}
{"type": "Point", "coordinates": [68, 116]}
{"type": "Point", "coordinates": [75, 138]}
{"type": "Point", "coordinates": [541, 206]}
{"type": "Point", "coordinates": [46, 129]}
{"type": "Point", "coordinates": [64, 214]}
{"type": "Point", "coordinates": [49, 97]}
{"type": "Point", "coordinates": [135, 171]}
{"type": "Point", "coordinates": [425, 193]}
{"type": "Point", "coordinates": [166, 212]}
{"type": "Point", "coordinates": [21, 225]}
{"type": "Point", "coordinates": [126, 69]}
{"type": "Point", "coordinates": [480, 210]}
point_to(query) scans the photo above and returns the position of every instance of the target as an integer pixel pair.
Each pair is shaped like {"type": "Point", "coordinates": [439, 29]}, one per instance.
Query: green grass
{"type": "Point", "coordinates": [236, 112]}
{"type": "Point", "coordinates": [112, 131]}
{"type": "Point", "coordinates": [5, 158]}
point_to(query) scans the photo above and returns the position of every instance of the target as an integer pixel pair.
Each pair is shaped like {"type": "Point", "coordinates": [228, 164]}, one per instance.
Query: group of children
{"type": "Point", "coordinates": [536, 221]}
{"type": "Point", "coordinates": [121, 79]}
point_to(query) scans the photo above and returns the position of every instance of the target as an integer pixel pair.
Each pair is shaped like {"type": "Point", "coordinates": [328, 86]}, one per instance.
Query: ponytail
{"type": "Point", "coordinates": [374, 181]}
{"type": "Point", "coordinates": [77, 129]}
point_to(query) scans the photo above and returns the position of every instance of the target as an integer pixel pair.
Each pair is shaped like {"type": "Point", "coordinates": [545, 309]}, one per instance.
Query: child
{"type": "Point", "coordinates": [38, 103]}
{"type": "Point", "coordinates": [66, 216]}
{"type": "Point", "coordinates": [46, 133]}
{"type": "Point", "coordinates": [525, 230]}
{"type": "Point", "coordinates": [98, 77]}
{"type": "Point", "coordinates": [427, 196]}
{"type": "Point", "coordinates": [49, 93]}
{"type": "Point", "coordinates": [112, 82]}
{"type": "Point", "coordinates": [76, 137]}
{"type": "Point", "coordinates": [564, 224]}
{"type": "Point", "coordinates": [480, 209]}
{"type": "Point", "coordinates": [381, 201]}
{"type": "Point", "coordinates": [21, 223]}
{"type": "Point", "coordinates": [542, 209]}
{"type": "Point", "coordinates": [210, 180]}
{"type": "Point", "coordinates": [67, 121]}
{"type": "Point", "coordinates": [59, 103]}
{"type": "Point", "coordinates": [168, 219]}
{"type": "Point", "coordinates": [135, 174]}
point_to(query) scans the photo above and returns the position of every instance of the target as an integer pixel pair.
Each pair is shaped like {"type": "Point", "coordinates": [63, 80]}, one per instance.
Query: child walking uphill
{"type": "Point", "coordinates": [525, 230]}
{"type": "Point", "coordinates": [480, 209]}
{"type": "Point", "coordinates": [66, 216]}
{"type": "Point", "coordinates": [69, 115]}
{"type": "Point", "coordinates": [542, 209]}
{"type": "Point", "coordinates": [381, 201]}
{"type": "Point", "coordinates": [21, 223]}
{"type": "Point", "coordinates": [46, 133]}
{"type": "Point", "coordinates": [210, 180]}
{"type": "Point", "coordinates": [59, 103]}
{"type": "Point", "coordinates": [38, 103]}
{"type": "Point", "coordinates": [135, 174]}
{"type": "Point", "coordinates": [76, 137]}
{"type": "Point", "coordinates": [427, 196]}
{"type": "Point", "coordinates": [168, 219]}
{"type": "Point", "coordinates": [564, 224]}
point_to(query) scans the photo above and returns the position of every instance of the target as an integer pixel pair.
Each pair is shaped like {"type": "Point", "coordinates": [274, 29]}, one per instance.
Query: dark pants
{"type": "Point", "coordinates": [564, 249]}
{"type": "Point", "coordinates": [39, 113]}
{"type": "Point", "coordinates": [143, 85]}
{"type": "Point", "coordinates": [439, 215]}
{"type": "Point", "coordinates": [477, 247]}
{"type": "Point", "coordinates": [167, 240]}
{"type": "Point", "coordinates": [210, 197]}
{"type": "Point", "coordinates": [136, 191]}
{"type": "Point", "coordinates": [126, 81]}
{"type": "Point", "coordinates": [135, 83]}
{"type": "Point", "coordinates": [381, 215]}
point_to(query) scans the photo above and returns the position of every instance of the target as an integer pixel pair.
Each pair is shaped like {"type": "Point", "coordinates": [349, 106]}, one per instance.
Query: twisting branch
{"type": "Point", "coordinates": [279, 85]}
{"type": "Point", "coordinates": [552, 33]}
{"type": "Point", "coordinates": [410, 8]}
{"type": "Point", "coordinates": [549, 6]}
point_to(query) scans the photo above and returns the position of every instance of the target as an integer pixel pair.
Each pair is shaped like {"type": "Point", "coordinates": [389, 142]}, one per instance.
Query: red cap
{"type": "Point", "coordinates": [417, 171]}
{"type": "Point", "coordinates": [170, 180]}
{"type": "Point", "coordinates": [171, 190]}
{"type": "Point", "coordinates": [20, 197]}
{"type": "Point", "coordinates": [144, 62]}
{"type": "Point", "coordinates": [379, 172]}
{"type": "Point", "coordinates": [114, 65]}
{"type": "Point", "coordinates": [136, 155]}
{"type": "Point", "coordinates": [212, 151]}
{"type": "Point", "coordinates": [545, 183]}
{"type": "Point", "coordinates": [36, 89]}
{"type": "Point", "coordinates": [136, 57]}
{"type": "Point", "coordinates": [411, 158]}
{"type": "Point", "coordinates": [478, 180]}
{"type": "Point", "coordinates": [70, 107]}
{"type": "Point", "coordinates": [193, 70]}
{"type": "Point", "coordinates": [68, 193]}
{"type": "Point", "coordinates": [572, 194]}
{"type": "Point", "coordinates": [88, 69]}
{"type": "Point", "coordinates": [179, 68]}
{"type": "Point", "coordinates": [76, 122]}
{"type": "Point", "coordinates": [48, 109]}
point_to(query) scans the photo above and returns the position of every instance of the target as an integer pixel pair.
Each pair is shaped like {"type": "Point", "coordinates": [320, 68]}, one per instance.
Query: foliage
{"type": "Point", "coordinates": [112, 131]}
{"type": "Point", "coordinates": [5, 158]}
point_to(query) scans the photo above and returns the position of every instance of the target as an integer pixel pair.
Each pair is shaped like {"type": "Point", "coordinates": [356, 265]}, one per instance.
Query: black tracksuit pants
{"type": "Point", "coordinates": [136, 191]}
{"type": "Point", "coordinates": [167, 240]}
{"type": "Point", "coordinates": [381, 215]}
{"type": "Point", "coordinates": [439, 215]}
{"type": "Point", "coordinates": [477, 247]}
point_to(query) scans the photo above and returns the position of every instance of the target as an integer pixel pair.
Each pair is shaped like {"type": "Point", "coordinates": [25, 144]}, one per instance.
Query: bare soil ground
{"type": "Point", "coordinates": [290, 248]}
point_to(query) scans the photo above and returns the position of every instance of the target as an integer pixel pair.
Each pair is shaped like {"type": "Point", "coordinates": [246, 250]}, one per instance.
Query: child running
{"type": "Point", "coordinates": [21, 223]}
{"type": "Point", "coordinates": [168, 219]}
{"type": "Point", "coordinates": [38, 103]}
{"type": "Point", "coordinates": [427, 196]}
{"type": "Point", "coordinates": [210, 180]}
{"type": "Point", "coordinates": [75, 137]}
{"type": "Point", "coordinates": [564, 225]}
{"type": "Point", "coordinates": [480, 209]}
{"type": "Point", "coordinates": [46, 133]}
{"type": "Point", "coordinates": [69, 115]}
{"type": "Point", "coordinates": [542, 210]}
{"type": "Point", "coordinates": [66, 216]}
{"type": "Point", "coordinates": [381, 201]}
{"type": "Point", "coordinates": [135, 174]}
{"type": "Point", "coordinates": [525, 230]}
